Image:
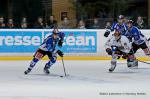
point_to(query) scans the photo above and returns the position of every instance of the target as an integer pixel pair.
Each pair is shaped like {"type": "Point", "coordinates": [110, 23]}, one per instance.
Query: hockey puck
{"type": "Point", "coordinates": [61, 76]}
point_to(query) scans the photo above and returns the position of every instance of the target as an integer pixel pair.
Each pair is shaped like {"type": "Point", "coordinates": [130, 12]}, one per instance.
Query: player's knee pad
{"type": "Point", "coordinates": [33, 62]}
{"type": "Point", "coordinates": [132, 63]}
{"type": "Point", "coordinates": [51, 62]}
{"type": "Point", "coordinates": [53, 59]}
{"type": "Point", "coordinates": [113, 63]}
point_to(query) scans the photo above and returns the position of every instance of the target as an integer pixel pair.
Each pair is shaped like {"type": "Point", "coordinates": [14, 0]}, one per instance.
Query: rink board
{"type": "Point", "coordinates": [67, 58]}
{"type": "Point", "coordinates": [86, 44]}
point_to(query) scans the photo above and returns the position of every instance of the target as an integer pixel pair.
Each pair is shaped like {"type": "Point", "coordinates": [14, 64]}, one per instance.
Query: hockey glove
{"type": "Point", "coordinates": [109, 51]}
{"type": "Point", "coordinates": [60, 53]}
{"type": "Point", "coordinates": [106, 34]}
{"type": "Point", "coordinates": [60, 43]}
{"type": "Point", "coordinates": [124, 55]}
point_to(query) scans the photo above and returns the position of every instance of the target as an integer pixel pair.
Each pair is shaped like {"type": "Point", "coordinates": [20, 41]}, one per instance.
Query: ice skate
{"type": "Point", "coordinates": [46, 71]}
{"type": "Point", "coordinates": [27, 71]}
{"type": "Point", "coordinates": [113, 66]}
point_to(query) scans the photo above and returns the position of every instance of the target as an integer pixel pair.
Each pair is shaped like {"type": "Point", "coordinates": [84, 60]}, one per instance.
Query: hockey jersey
{"type": "Point", "coordinates": [135, 35]}
{"type": "Point", "coordinates": [122, 28]}
{"type": "Point", "coordinates": [50, 43]}
{"type": "Point", "coordinates": [122, 42]}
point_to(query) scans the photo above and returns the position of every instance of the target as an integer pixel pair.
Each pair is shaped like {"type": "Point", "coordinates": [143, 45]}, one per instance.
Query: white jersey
{"type": "Point", "coordinates": [122, 42]}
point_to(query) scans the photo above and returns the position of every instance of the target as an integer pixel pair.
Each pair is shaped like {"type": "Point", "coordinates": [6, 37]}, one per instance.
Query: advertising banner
{"type": "Point", "coordinates": [19, 41]}
{"type": "Point", "coordinates": [28, 41]}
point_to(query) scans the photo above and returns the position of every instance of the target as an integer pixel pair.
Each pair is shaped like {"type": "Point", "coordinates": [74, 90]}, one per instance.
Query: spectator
{"type": "Point", "coordinates": [140, 23]}
{"type": "Point", "coordinates": [108, 25]}
{"type": "Point", "coordinates": [81, 25]}
{"type": "Point", "coordinates": [39, 24]}
{"type": "Point", "coordinates": [24, 24]}
{"type": "Point", "coordinates": [65, 24]}
{"type": "Point", "coordinates": [2, 24]}
{"type": "Point", "coordinates": [96, 24]}
{"type": "Point", "coordinates": [10, 23]}
{"type": "Point", "coordinates": [51, 23]}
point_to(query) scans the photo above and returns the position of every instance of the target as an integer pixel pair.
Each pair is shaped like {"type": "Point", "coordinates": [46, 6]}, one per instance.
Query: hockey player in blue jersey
{"type": "Point", "coordinates": [120, 26]}
{"type": "Point", "coordinates": [138, 41]}
{"type": "Point", "coordinates": [48, 47]}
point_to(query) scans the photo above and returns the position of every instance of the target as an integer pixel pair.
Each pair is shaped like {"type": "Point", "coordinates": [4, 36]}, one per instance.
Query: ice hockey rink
{"type": "Point", "coordinates": [86, 80]}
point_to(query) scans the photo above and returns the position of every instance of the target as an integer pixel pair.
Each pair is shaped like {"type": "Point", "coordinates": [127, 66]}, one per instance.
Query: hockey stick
{"type": "Point", "coordinates": [63, 67]}
{"type": "Point", "coordinates": [143, 61]}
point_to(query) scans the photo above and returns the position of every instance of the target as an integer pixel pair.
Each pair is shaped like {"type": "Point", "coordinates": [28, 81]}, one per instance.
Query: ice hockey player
{"type": "Point", "coordinates": [49, 48]}
{"type": "Point", "coordinates": [137, 38]}
{"type": "Point", "coordinates": [121, 26]}
{"type": "Point", "coordinates": [118, 46]}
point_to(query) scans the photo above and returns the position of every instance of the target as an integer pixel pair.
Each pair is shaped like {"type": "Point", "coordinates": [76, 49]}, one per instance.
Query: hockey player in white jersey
{"type": "Point", "coordinates": [118, 46]}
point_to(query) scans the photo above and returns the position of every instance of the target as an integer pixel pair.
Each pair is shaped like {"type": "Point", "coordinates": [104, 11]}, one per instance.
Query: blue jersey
{"type": "Point", "coordinates": [135, 34]}
{"type": "Point", "coordinates": [122, 28]}
{"type": "Point", "coordinates": [50, 43]}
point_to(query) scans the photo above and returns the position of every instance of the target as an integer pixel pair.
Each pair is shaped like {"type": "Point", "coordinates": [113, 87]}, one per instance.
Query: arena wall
{"type": "Point", "coordinates": [86, 44]}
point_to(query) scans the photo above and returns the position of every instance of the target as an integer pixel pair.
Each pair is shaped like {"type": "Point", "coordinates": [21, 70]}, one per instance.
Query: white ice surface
{"type": "Point", "coordinates": [86, 80]}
